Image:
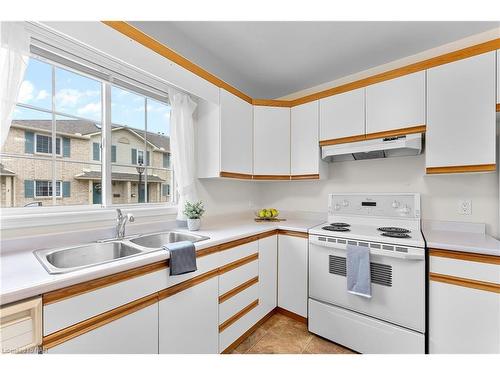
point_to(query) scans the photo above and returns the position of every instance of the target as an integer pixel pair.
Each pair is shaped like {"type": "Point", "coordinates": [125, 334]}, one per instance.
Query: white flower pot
{"type": "Point", "coordinates": [193, 224]}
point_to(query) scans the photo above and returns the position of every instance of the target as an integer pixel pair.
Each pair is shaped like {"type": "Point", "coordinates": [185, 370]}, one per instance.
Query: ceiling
{"type": "Point", "coordinates": [273, 59]}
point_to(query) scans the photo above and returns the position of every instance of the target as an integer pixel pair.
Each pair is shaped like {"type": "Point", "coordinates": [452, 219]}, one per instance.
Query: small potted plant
{"type": "Point", "coordinates": [193, 212]}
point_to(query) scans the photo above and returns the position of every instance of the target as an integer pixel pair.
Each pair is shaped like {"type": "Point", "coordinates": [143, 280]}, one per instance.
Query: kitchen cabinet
{"type": "Point", "coordinates": [188, 320]}
{"type": "Point", "coordinates": [135, 333]}
{"type": "Point", "coordinates": [292, 272]}
{"type": "Point", "coordinates": [305, 152]}
{"type": "Point", "coordinates": [224, 137]}
{"type": "Point", "coordinates": [342, 117]}
{"type": "Point", "coordinates": [498, 80]}
{"type": "Point", "coordinates": [268, 273]}
{"type": "Point", "coordinates": [460, 134]}
{"type": "Point", "coordinates": [396, 104]}
{"type": "Point", "coordinates": [464, 303]}
{"type": "Point", "coordinates": [271, 142]}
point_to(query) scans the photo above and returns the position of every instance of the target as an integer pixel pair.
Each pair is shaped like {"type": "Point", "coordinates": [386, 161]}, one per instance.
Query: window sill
{"type": "Point", "coordinates": [28, 217]}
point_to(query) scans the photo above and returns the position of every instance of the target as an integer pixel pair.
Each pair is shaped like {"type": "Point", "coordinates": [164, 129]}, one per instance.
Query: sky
{"type": "Point", "coordinates": [81, 96]}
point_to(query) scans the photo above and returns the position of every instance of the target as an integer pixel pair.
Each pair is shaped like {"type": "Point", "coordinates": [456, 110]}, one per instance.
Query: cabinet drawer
{"type": "Point", "coordinates": [238, 252]}
{"type": "Point", "coordinates": [485, 272]}
{"type": "Point", "coordinates": [238, 276]}
{"type": "Point", "coordinates": [69, 311]}
{"type": "Point", "coordinates": [136, 333]}
{"type": "Point", "coordinates": [20, 326]}
{"type": "Point", "coordinates": [232, 332]}
{"type": "Point", "coordinates": [236, 303]}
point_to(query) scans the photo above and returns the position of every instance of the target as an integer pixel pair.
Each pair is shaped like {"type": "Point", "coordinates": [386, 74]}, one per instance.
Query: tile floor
{"type": "Point", "coordinates": [283, 335]}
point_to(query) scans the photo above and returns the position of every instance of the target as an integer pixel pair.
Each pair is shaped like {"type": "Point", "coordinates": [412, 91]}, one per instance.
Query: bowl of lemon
{"type": "Point", "coordinates": [267, 214]}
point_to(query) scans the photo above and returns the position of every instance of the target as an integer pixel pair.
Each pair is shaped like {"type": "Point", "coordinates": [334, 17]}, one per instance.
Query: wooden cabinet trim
{"type": "Point", "coordinates": [305, 177]}
{"type": "Point", "coordinates": [177, 288]}
{"type": "Point", "coordinates": [149, 42]}
{"type": "Point", "coordinates": [462, 169]}
{"type": "Point", "coordinates": [466, 283]}
{"type": "Point", "coordinates": [241, 176]}
{"type": "Point", "coordinates": [336, 141]}
{"type": "Point", "coordinates": [290, 314]}
{"type": "Point", "coordinates": [240, 288]}
{"type": "Point", "coordinates": [472, 257]}
{"type": "Point", "coordinates": [293, 233]}
{"type": "Point", "coordinates": [238, 263]}
{"type": "Point", "coordinates": [397, 132]}
{"type": "Point", "coordinates": [88, 286]}
{"type": "Point", "coordinates": [238, 315]}
{"type": "Point", "coordinates": [97, 321]}
{"type": "Point", "coordinates": [498, 107]}
{"type": "Point", "coordinates": [270, 177]}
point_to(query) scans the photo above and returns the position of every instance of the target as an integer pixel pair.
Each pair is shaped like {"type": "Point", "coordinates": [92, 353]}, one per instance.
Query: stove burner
{"type": "Point", "coordinates": [396, 234]}
{"type": "Point", "coordinates": [393, 230]}
{"type": "Point", "coordinates": [340, 225]}
{"type": "Point", "coordinates": [334, 228]}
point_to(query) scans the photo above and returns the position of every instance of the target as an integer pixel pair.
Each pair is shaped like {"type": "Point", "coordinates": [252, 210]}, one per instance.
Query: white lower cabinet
{"type": "Point", "coordinates": [292, 274]}
{"type": "Point", "coordinates": [136, 333]}
{"type": "Point", "coordinates": [463, 316]}
{"type": "Point", "coordinates": [268, 273]}
{"type": "Point", "coordinates": [188, 320]}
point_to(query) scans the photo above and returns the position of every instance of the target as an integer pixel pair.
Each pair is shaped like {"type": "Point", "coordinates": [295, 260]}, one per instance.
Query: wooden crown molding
{"type": "Point", "coordinates": [472, 257]}
{"type": "Point", "coordinates": [271, 177]}
{"type": "Point", "coordinates": [241, 176]}
{"type": "Point", "coordinates": [304, 177]}
{"type": "Point", "coordinates": [161, 49]}
{"type": "Point", "coordinates": [466, 283]}
{"type": "Point", "coordinates": [336, 141]}
{"type": "Point", "coordinates": [151, 43]}
{"type": "Point", "coordinates": [462, 169]}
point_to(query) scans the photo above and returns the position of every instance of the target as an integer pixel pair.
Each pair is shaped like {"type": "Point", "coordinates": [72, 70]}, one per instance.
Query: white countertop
{"type": "Point", "coordinates": [22, 276]}
{"type": "Point", "coordinates": [455, 236]}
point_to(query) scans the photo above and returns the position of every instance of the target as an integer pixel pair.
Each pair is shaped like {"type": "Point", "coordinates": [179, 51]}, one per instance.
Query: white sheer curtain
{"type": "Point", "coordinates": [14, 56]}
{"type": "Point", "coordinates": [182, 147]}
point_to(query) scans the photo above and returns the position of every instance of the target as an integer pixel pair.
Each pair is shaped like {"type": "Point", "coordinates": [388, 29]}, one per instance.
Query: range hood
{"type": "Point", "coordinates": [405, 145]}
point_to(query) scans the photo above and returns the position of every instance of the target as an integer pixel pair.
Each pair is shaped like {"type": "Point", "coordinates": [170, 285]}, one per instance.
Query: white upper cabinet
{"type": "Point", "coordinates": [271, 141]}
{"type": "Point", "coordinates": [395, 104]}
{"type": "Point", "coordinates": [461, 115]}
{"type": "Point", "coordinates": [342, 115]}
{"type": "Point", "coordinates": [236, 125]}
{"type": "Point", "coordinates": [305, 152]}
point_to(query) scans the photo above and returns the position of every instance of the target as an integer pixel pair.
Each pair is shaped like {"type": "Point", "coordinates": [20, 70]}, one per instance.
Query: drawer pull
{"type": "Point", "coordinates": [238, 315]}
{"type": "Point", "coordinates": [240, 288]}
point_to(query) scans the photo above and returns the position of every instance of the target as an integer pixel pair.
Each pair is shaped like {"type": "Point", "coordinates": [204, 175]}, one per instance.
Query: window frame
{"type": "Point", "coordinates": [105, 161]}
{"type": "Point", "coordinates": [49, 182]}
{"type": "Point", "coordinates": [58, 138]}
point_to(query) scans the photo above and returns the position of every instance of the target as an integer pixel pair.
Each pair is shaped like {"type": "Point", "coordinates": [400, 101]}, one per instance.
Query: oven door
{"type": "Point", "coordinates": [398, 285]}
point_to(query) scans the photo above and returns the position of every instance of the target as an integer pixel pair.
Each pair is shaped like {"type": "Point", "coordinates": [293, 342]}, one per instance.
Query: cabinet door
{"type": "Point", "coordinates": [188, 320]}
{"type": "Point", "coordinates": [461, 113]}
{"type": "Point", "coordinates": [271, 141]}
{"type": "Point", "coordinates": [395, 104]}
{"type": "Point", "coordinates": [292, 274]}
{"type": "Point", "coordinates": [463, 320]}
{"type": "Point", "coordinates": [136, 333]}
{"type": "Point", "coordinates": [268, 273]}
{"type": "Point", "coordinates": [236, 134]}
{"type": "Point", "coordinates": [304, 127]}
{"type": "Point", "coordinates": [342, 115]}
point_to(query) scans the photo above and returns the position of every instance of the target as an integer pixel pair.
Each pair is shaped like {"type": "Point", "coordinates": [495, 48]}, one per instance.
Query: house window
{"type": "Point", "coordinates": [68, 104]}
{"type": "Point", "coordinates": [43, 188]}
{"type": "Point", "coordinates": [44, 144]}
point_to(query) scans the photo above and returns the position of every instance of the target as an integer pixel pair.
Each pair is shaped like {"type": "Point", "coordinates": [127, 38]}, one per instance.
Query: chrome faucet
{"type": "Point", "coordinates": [121, 221]}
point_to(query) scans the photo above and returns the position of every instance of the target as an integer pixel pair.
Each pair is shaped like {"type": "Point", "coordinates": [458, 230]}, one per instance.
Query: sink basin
{"type": "Point", "coordinates": [77, 257]}
{"type": "Point", "coordinates": [157, 240]}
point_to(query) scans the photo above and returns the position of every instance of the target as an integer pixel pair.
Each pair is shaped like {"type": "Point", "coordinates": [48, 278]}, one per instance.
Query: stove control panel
{"type": "Point", "coordinates": [402, 205]}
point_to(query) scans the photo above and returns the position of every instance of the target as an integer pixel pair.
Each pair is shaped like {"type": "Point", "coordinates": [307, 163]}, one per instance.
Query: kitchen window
{"type": "Point", "coordinates": [57, 139]}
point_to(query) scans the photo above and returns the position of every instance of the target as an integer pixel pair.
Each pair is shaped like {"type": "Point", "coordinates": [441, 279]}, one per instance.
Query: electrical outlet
{"type": "Point", "coordinates": [465, 207]}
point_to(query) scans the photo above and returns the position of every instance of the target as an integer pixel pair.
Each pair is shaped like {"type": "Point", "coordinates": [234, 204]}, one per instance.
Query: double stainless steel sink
{"type": "Point", "coordinates": [74, 258]}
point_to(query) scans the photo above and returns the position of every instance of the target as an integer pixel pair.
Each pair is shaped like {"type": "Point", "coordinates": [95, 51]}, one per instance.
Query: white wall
{"type": "Point", "coordinates": [440, 193]}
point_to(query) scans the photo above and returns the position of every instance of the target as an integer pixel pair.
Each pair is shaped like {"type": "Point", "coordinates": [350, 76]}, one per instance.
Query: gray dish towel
{"type": "Point", "coordinates": [358, 271]}
{"type": "Point", "coordinates": [182, 257]}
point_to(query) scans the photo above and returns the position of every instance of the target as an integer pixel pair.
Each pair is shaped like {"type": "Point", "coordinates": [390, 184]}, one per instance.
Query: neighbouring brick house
{"type": "Point", "coordinates": [26, 179]}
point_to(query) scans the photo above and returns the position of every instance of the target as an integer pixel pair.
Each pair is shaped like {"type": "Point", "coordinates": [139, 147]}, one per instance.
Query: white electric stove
{"type": "Point", "coordinates": [393, 319]}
